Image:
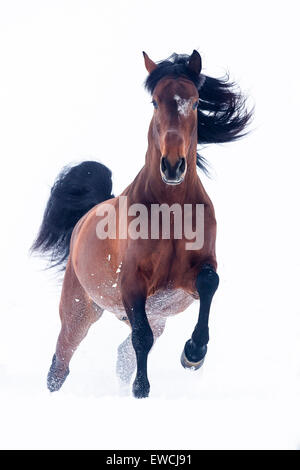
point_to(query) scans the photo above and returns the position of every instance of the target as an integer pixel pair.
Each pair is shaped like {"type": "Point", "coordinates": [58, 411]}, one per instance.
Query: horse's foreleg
{"type": "Point", "coordinates": [126, 362]}
{"type": "Point", "coordinates": [77, 312]}
{"type": "Point", "coordinates": [195, 348]}
{"type": "Point", "coordinates": [134, 299]}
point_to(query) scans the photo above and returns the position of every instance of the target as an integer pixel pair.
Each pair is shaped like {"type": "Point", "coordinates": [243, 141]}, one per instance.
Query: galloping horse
{"type": "Point", "coordinates": [141, 279]}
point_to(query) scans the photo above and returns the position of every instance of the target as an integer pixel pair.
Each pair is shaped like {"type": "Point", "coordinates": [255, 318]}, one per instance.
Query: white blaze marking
{"type": "Point", "coordinates": [109, 256]}
{"type": "Point", "coordinates": [77, 300]}
{"type": "Point", "coordinates": [182, 105]}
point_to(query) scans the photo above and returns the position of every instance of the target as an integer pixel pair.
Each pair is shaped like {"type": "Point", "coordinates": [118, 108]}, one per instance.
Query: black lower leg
{"type": "Point", "coordinates": [56, 377]}
{"type": "Point", "coordinates": [142, 341]}
{"type": "Point", "coordinates": [207, 283]}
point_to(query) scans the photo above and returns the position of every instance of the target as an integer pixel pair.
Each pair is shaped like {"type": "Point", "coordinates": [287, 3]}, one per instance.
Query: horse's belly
{"type": "Point", "coordinates": [168, 302]}
{"type": "Point", "coordinates": [163, 302]}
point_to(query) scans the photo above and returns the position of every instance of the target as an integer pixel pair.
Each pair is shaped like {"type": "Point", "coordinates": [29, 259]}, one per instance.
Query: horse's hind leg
{"type": "Point", "coordinates": [126, 361]}
{"type": "Point", "coordinates": [77, 313]}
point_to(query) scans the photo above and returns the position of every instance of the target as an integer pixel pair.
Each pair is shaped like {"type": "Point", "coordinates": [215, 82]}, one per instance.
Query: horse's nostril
{"type": "Point", "coordinates": [163, 164]}
{"type": "Point", "coordinates": [182, 165]}
{"type": "Point", "coordinates": [172, 173]}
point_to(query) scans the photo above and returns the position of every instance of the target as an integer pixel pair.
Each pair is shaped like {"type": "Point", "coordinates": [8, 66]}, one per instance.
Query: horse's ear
{"type": "Point", "coordinates": [149, 64]}
{"type": "Point", "coordinates": [195, 62]}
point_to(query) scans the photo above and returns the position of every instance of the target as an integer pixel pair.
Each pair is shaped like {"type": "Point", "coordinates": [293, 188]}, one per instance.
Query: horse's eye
{"type": "Point", "coordinates": [195, 105]}
{"type": "Point", "coordinates": [155, 104]}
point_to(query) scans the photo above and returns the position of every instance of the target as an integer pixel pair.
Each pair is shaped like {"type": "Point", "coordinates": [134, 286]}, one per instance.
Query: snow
{"type": "Point", "coordinates": [119, 268]}
{"type": "Point", "coordinates": [77, 94]}
{"type": "Point", "coordinates": [183, 105]}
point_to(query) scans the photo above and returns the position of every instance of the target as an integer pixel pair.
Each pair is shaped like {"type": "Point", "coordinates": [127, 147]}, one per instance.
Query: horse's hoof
{"type": "Point", "coordinates": [55, 381]}
{"type": "Point", "coordinates": [140, 389]}
{"type": "Point", "coordinates": [189, 364]}
{"type": "Point", "coordinates": [192, 358]}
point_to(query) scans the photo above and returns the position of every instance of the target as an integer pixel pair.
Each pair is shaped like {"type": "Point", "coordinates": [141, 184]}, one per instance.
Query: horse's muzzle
{"type": "Point", "coordinates": [172, 174]}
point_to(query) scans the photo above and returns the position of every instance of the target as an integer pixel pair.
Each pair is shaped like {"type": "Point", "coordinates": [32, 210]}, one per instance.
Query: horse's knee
{"type": "Point", "coordinates": [142, 338]}
{"type": "Point", "coordinates": [207, 280]}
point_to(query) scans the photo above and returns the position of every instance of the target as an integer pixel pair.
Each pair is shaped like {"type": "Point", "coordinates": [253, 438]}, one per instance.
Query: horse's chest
{"type": "Point", "coordinates": [167, 268]}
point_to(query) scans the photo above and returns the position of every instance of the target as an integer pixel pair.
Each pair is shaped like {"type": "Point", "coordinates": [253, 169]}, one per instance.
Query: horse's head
{"type": "Point", "coordinates": [174, 123]}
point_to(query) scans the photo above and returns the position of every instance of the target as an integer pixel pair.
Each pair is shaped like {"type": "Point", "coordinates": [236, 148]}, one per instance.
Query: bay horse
{"type": "Point", "coordinates": [143, 280]}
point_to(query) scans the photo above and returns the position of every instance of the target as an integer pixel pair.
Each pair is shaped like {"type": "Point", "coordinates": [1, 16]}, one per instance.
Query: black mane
{"type": "Point", "coordinates": [222, 112]}
{"type": "Point", "coordinates": [174, 66]}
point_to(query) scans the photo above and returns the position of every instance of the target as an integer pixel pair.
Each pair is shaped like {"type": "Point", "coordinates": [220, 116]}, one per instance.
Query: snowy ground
{"type": "Point", "coordinates": [57, 106]}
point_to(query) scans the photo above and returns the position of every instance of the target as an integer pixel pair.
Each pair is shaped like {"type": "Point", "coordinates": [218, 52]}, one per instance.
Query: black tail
{"type": "Point", "coordinates": [76, 190]}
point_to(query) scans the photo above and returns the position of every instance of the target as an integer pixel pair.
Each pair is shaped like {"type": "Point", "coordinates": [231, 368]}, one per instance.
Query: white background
{"type": "Point", "coordinates": [71, 88]}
